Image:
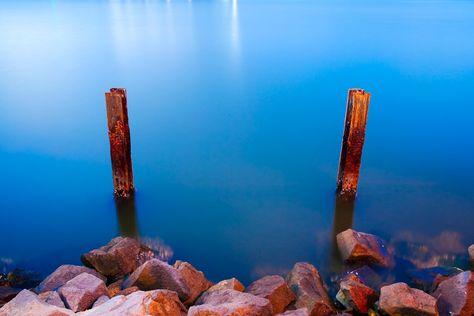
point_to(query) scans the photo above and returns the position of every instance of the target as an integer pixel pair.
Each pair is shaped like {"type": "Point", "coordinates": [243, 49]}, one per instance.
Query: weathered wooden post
{"type": "Point", "coordinates": [119, 137]}
{"type": "Point", "coordinates": [352, 142]}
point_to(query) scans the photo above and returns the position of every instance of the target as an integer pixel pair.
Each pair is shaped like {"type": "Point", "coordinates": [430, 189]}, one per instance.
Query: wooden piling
{"type": "Point", "coordinates": [119, 137]}
{"type": "Point", "coordinates": [352, 142]}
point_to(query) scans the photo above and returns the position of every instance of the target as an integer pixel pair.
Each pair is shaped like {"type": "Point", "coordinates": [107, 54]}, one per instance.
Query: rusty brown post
{"type": "Point", "coordinates": [352, 142]}
{"type": "Point", "coordinates": [119, 137]}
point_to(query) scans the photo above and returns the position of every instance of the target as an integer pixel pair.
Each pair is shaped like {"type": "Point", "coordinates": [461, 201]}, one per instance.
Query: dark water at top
{"type": "Point", "coordinates": [236, 111]}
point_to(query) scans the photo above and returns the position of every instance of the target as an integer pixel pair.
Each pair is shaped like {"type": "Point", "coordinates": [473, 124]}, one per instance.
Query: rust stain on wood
{"type": "Point", "coordinates": [352, 143]}
{"type": "Point", "coordinates": [119, 137]}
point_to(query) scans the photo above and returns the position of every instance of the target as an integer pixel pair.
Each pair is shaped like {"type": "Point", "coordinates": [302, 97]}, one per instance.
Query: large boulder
{"type": "Point", "coordinates": [118, 258]}
{"type": "Point", "coordinates": [194, 280]}
{"type": "Point", "coordinates": [229, 284]}
{"type": "Point", "coordinates": [63, 274]}
{"type": "Point", "coordinates": [156, 274]}
{"type": "Point", "coordinates": [311, 292]}
{"type": "Point", "coordinates": [365, 248]}
{"type": "Point", "coordinates": [275, 289]}
{"type": "Point", "coordinates": [399, 299]}
{"type": "Point", "coordinates": [27, 303]}
{"type": "Point", "coordinates": [52, 297]}
{"type": "Point", "coordinates": [151, 303]}
{"type": "Point", "coordinates": [456, 295]}
{"type": "Point", "coordinates": [355, 295]}
{"type": "Point", "coordinates": [231, 302]}
{"type": "Point", "coordinates": [82, 291]}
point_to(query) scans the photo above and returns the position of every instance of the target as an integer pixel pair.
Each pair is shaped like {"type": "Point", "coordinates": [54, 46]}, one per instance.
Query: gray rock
{"type": "Point", "coordinates": [63, 274]}
{"type": "Point", "coordinates": [156, 274]}
{"type": "Point", "coordinates": [27, 303]}
{"type": "Point", "coordinates": [275, 289]}
{"type": "Point", "coordinates": [231, 302]}
{"type": "Point", "coordinates": [82, 291]}
{"type": "Point", "coordinates": [151, 303]}
{"type": "Point", "coordinates": [311, 292]}
{"type": "Point", "coordinates": [399, 299]}
{"type": "Point", "coordinates": [456, 295]}
{"type": "Point", "coordinates": [366, 248]}
{"type": "Point", "coordinates": [52, 297]}
{"type": "Point", "coordinates": [194, 280]}
{"type": "Point", "coordinates": [118, 258]}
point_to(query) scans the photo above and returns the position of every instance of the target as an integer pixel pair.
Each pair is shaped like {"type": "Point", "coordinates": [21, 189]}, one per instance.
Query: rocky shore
{"type": "Point", "coordinates": [126, 277]}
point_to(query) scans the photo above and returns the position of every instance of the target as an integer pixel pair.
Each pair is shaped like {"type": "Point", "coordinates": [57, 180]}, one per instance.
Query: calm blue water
{"type": "Point", "coordinates": [236, 112]}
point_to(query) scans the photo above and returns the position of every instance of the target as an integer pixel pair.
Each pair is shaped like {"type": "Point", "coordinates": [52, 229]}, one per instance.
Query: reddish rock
{"type": "Point", "coordinates": [399, 299]}
{"type": "Point", "coordinates": [151, 303]}
{"type": "Point", "coordinates": [231, 302]}
{"type": "Point", "coordinates": [311, 292]}
{"type": "Point", "coordinates": [156, 274]}
{"type": "Point", "coordinates": [229, 284]}
{"type": "Point", "coordinates": [53, 298]}
{"type": "Point", "coordinates": [194, 280]}
{"type": "Point", "coordinates": [275, 289]}
{"type": "Point", "coordinates": [27, 303]}
{"type": "Point", "coordinates": [82, 291]}
{"type": "Point", "coordinates": [115, 287]}
{"type": "Point", "coordinates": [63, 274]}
{"type": "Point", "coordinates": [456, 295]}
{"type": "Point", "coordinates": [101, 300]}
{"type": "Point", "coordinates": [118, 258]}
{"type": "Point", "coordinates": [128, 291]}
{"type": "Point", "coordinates": [7, 293]}
{"type": "Point", "coordinates": [296, 312]}
{"type": "Point", "coordinates": [361, 247]}
{"type": "Point", "coordinates": [354, 295]}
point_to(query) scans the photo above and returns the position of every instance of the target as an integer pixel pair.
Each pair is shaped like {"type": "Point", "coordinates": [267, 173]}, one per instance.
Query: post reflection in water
{"type": "Point", "coordinates": [343, 219]}
{"type": "Point", "coordinates": [127, 217]}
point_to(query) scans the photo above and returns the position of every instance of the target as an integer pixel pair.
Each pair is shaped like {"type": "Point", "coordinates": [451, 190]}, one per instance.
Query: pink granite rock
{"type": "Point", "coordinates": [27, 303]}
{"type": "Point", "coordinates": [63, 274]}
{"type": "Point", "coordinates": [456, 295]}
{"type": "Point", "coordinates": [275, 289]}
{"type": "Point", "coordinates": [399, 299]}
{"type": "Point", "coordinates": [194, 280]}
{"type": "Point", "coordinates": [52, 297]}
{"type": "Point", "coordinates": [82, 291]}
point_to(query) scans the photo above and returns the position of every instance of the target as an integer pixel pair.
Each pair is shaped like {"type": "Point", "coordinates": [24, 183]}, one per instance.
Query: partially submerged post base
{"type": "Point", "coordinates": [119, 137]}
{"type": "Point", "coordinates": [352, 143]}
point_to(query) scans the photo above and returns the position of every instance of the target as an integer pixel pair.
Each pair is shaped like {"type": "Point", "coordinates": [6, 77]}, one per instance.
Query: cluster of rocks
{"type": "Point", "coordinates": [125, 278]}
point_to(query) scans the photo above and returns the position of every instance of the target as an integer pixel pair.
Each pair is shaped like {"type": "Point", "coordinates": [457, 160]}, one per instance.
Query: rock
{"type": "Point", "coordinates": [399, 299]}
{"type": "Point", "coordinates": [229, 284]}
{"type": "Point", "coordinates": [275, 289]}
{"type": "Point", "coordinates": [101, 300]}
{"type": "Point", "coordinates": [366, 276]}
{"type": "Point", "coordinates": [428, 279]}
{"type": "Point", "coordinates": [151, 303]}
{"type": "Point", "coordinates": [23, 279]}
{"type": "Point", "coordinates": [82, 291]}
{"type": "Point", "coordinates": [232, 302]}
{"type": "Point", "coordinates": [456, 295]}
{"type": "Point", "coordinates": [471, 252]}
{"type": "Point", "coordinates": [354, 295]}
{"type": "Point", "coordinates": [311, 292]}
{"type": "Point", "coordinates": [194, 280]}
{"type": "Point", "coordinates": [52, 297]}
{"type": "Point", "coordinates": [296, 312]}
{"type": "Point", "coordinates": [118, 258]}
{"type": "Point", "coordinates": [366, 248]}
{"type": "Point", "coordinates": [63, 274]}
{"type": "Point", "coordinates": [128, 291]}
{"type": "Point", "coordinates": [27, 303]}
{"type": "Point", "coordinates": [7, 293]}
{"type": "Point", "coordinates": [115, 287]}
{"type": "Point", "coordinates": [156, 274]}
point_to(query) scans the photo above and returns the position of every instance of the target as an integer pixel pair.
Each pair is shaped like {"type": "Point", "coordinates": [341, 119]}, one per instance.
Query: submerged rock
{"type": "Point", "coordinates": [156, 274]}
{"type": "Point", "coordinates": [399, 299]}
{"type": "Point", "coordinates": [365, 248]}
{"type": "Point", "coordinates": [150, 303]}
{"type": "Point", "coordinates": [231, 302]}
{"type": "Point", "coordinates": [428, 279]}
{"type": "Point", "coordinates": [193, 279]}
{"type": "Point", "coordinates": [366, 276]}
{"type": "Point", "coordinates": [354, 295]}
{"type": "Point", "coordinates": [456, 295]}
{"type": "Point", "coordinates": [311, 292]}
{"type": "Point", "coordinates": [63, 274]}
{"type": "Point", "coordinates": [275, 289]}
{"type": "Point", "coordinates": [52, 297]}
{"type": "Point", "coordinates": [27, 303]}
{"type": "Point", "coordinates": [7, 293]}
{"type": "Point", "coordinates": [82, 291]}
{"type": "Point", "coordinates": [118, 258]}
{"type": "Point", "coordinates": [23, 279]}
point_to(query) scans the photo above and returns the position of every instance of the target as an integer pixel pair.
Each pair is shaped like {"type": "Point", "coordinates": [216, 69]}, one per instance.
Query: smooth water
{"type": "Point", "coordinates": [236, 113]}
